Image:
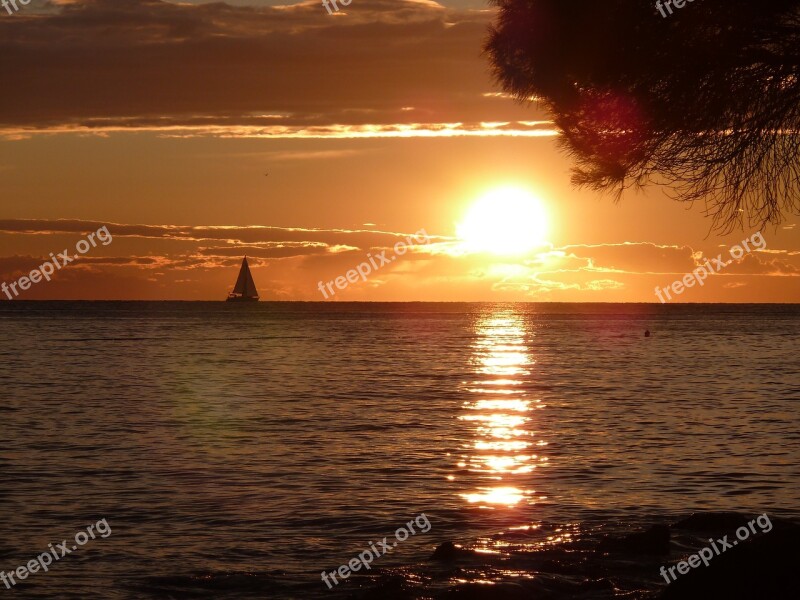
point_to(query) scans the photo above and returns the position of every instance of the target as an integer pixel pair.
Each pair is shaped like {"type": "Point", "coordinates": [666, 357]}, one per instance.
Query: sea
{"type": "Point", "coordinates": [243, 450]}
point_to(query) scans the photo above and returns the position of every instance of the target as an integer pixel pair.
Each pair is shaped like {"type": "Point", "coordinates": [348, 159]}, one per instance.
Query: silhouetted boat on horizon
{"type": "Point", "coordinates": [245, 288]}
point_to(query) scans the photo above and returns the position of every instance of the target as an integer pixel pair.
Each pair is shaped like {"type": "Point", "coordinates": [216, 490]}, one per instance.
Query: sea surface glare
{"type": "Point", "coordinates": [237, 451]}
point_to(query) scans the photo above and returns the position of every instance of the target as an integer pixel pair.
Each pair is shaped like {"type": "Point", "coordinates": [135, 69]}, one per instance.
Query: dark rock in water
{"type": "Point", "coordinates": [497, 591]}
{"type": "Point", "coordinates": [712, 521]}
{"type": "Point", "coordinates": [653, 541]}
{"type": "Point", "coordinates": [557, 566]}
{"type": "Point", "coordinates": [389, 586]}
{"type": "Point", "coordinates": [206, 583]}
{"type": "Point", "coordinates": [543, 586]}
{"type": "Point", "coordinates": [597, 585]}
{"type": "Point", "coordinates": [763, 567]}
{"type": "Point", "coordinates": [449, 551]}
{"type": "Point", "coordinates": [646, 333]}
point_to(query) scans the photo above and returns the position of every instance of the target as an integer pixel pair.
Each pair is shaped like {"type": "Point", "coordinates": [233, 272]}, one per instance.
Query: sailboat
{"type": "Point", "coordinates": [245, 288]}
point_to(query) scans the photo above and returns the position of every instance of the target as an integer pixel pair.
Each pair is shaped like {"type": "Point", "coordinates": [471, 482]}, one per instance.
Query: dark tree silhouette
{"type": "Point", "coordinates": [705, 100]}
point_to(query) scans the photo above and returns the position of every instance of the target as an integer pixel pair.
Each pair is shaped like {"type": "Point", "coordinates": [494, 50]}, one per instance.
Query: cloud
{"type": "Point", "coordinates": [635, 257]}
{"type": "Point", "coordinates": [752, 264]}
{"type": "Point", "coordinates": [255, 234]}
{"type": "Point", "coordinates": [291, 156]}
{"type": "Point", "coordinates": [180, 261]}
{"type": "Point", "coordinates": [253, 71]}
{"type": "Point", "coordinates": [269, 251]}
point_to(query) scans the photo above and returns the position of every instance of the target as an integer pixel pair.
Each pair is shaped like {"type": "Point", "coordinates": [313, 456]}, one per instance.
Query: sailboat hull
{"type": "Point", "coordinates": [242, 299]}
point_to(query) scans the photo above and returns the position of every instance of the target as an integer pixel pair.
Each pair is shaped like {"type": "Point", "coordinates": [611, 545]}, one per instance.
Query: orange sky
{"type": "Point", "coordinates": [372, 125]}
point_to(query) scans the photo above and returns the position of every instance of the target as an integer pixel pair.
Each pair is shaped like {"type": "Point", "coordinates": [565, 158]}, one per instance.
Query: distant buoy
{"type": "Point", "coordinates": [646, 333]}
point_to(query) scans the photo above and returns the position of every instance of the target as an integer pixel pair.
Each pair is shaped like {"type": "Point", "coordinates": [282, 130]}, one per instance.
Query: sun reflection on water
{"type": "Point", "coordinates": [499, 412]}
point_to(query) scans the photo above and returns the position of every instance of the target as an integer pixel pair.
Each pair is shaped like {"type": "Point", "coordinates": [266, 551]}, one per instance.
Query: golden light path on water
{"type": "Point", "coordinates": [500, 413]}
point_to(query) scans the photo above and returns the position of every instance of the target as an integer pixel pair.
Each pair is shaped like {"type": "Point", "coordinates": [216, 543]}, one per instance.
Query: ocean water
{"type": "Point", "coordinates": [237, 451]}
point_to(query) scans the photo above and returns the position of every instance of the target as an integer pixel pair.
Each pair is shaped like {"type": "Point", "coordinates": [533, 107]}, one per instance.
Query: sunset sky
{"type": "Point", "coordinates": [162, 119]}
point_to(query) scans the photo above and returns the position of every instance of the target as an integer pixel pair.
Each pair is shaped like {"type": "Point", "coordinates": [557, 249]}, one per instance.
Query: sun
{"type": "Point", "coordinates": [506, 221]}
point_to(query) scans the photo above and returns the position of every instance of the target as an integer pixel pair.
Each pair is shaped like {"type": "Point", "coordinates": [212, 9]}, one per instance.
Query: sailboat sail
{"type": "Point", "coordinates": [245, 286]}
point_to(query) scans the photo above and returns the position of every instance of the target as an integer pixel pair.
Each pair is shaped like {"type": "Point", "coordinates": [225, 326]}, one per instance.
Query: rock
{"type": "Point", "coordinates": [712, 521]}
{"type": "Point", "coordinates": [449, 551]}
{"type": "Point", "coordinates": [653, 541]}
{"type": "Point", "coordinates": [496, 591]}
{"type": "Point", "coordinates": [761, 567]}
{"type": "Point", "coordinates": [603, 585]}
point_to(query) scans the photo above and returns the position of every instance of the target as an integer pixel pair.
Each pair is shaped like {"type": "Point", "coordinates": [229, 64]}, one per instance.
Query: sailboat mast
{"type": "Point", "coordinates": [245, 267]}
